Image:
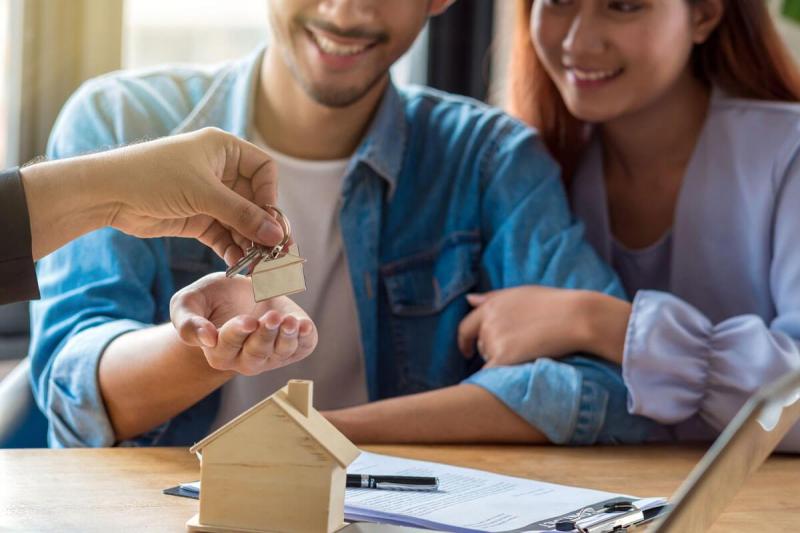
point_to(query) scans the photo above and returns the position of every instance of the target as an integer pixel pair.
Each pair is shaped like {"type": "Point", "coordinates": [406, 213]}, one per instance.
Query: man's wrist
{"type": "Point", "coordinates": [351, 423]}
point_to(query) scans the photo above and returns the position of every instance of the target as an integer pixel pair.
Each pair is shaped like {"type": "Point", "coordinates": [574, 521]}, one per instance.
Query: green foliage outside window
{"type": "Point", "coordinates": [791, 9]}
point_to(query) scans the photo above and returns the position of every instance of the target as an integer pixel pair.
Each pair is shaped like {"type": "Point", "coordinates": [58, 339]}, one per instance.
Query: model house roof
{"type": "Point", "coordinates": [295, 399]}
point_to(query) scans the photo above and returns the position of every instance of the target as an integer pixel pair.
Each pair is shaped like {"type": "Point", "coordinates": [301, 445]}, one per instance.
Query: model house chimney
{"type": "Point", "coordinates": [301, 393]}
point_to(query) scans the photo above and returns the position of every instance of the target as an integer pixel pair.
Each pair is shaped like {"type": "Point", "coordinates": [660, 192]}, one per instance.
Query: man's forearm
{"type": "Point", "coordinates": [148, 377]}
{"type": "Point", "coordinates": [458, 414]}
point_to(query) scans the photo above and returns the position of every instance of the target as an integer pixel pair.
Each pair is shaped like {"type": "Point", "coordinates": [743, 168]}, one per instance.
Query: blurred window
{"type": "Point", "coordinates": [156, 32]}
{"type": "Point", "coordinates": [191, 31]}
{"type": "Point", "coordinates": [5, 69]}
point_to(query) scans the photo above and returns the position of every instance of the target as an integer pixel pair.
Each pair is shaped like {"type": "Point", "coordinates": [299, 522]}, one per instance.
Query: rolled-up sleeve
{"type": "Point", "coordinates": [530, 234]}
{"type": "Point", "coordinates": [551, 396]}
{"type": "Point", "coordinates": [677, 363]}
{"type": "Point", "coordinates": [93, 290]}
{"type": "Point", "coordinates": [532, 238]}
{"type": "Point", "coordinates": [72, 399]}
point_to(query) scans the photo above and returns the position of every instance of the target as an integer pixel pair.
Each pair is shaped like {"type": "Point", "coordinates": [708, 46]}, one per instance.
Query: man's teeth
{"type": "Point", "coordinates": [593, 75]}
{"type": "Point", "coordinates": [330, 46]}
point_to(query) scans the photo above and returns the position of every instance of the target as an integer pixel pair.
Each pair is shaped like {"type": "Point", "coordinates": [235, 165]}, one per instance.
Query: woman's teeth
{"type": "Point", "coordinates": [330, 46]}
{"type": "Point", "coordinates": [593, 75]}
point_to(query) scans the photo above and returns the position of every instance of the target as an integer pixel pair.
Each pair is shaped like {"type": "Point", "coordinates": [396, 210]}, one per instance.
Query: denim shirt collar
{"type": "Point", "coordinates": [230, 102]}
{"type": "Point", "coordinates": [384, 146]}
{"type": "Point", "coordinates": [230, 105]}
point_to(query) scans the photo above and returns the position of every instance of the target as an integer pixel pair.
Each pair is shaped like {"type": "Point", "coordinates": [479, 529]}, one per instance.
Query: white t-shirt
{"type": "Point", "coordinates": [310, 194]}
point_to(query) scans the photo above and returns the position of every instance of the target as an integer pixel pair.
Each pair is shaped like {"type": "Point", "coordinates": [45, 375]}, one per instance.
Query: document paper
{"type": "Point", "coordinates": [468, 500]}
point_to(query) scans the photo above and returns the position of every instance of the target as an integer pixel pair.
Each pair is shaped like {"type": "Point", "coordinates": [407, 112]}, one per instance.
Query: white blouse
{"type": "Point", "coordinates": [730, 321]}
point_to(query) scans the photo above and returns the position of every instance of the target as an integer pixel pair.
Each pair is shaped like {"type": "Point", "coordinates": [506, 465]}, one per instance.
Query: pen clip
{"type": "Point", "coordinates": [387, 485]}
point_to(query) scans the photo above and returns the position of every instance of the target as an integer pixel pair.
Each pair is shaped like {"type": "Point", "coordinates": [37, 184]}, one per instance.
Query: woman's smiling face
{"type": "Point", "coordinates": [611, 58]}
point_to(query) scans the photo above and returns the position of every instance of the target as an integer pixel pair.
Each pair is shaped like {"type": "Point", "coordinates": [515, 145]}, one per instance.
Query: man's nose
{"type": "Point", "coordinates": [349, 13]}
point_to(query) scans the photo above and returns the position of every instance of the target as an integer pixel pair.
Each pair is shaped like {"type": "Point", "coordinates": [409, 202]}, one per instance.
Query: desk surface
{"type": "Point", "coordinates": [120, 489]}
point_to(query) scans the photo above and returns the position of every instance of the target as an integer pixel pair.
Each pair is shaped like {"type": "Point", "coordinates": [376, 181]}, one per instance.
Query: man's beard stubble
{"type": "Point", "coordinates": [335, 98]}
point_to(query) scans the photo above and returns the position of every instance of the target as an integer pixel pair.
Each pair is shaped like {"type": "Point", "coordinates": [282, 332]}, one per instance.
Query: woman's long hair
{"type": "Point", "coordinates": [745, 56]}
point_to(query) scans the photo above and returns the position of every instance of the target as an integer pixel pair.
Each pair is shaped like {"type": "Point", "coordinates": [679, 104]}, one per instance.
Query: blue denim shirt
{"type": "Point", "coordinates": [443, 196]}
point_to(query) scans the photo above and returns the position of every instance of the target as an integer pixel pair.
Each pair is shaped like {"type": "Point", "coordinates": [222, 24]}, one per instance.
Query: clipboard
{"type": "Point", "coordinates": [622, 516]}
{"type": "Point", "coordinates": [738, 452]}
{"type": "Point", "coordinates": [735, 456]}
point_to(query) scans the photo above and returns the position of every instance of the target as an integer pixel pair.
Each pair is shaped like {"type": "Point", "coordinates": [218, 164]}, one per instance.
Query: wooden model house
{"type": "Point", "coordinates": [279, 466]}
{"type": "Point", "coordinates": [279, 277]}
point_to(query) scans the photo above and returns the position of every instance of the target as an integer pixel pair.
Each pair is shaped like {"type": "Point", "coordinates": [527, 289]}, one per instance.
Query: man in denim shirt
{"type": "Point", "coordinates": [439, 196]}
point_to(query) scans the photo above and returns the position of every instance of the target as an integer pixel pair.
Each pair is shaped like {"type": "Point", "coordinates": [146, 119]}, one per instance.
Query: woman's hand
{"type": "Point", "coordinates": [207, 185]}
{"type": "Point", "coordinates": [218, 315]}
{"type": "Point", "coordinates": [517, 325]}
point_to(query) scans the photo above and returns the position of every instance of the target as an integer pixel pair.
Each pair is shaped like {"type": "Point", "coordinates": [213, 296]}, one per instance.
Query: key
{"type": "Point", "coordinates": [274, 270]}
{"type": "Point", "coordinates": [253, 254]}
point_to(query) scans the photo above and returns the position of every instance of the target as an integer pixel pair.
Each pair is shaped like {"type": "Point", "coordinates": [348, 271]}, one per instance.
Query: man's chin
{"type": "Point", "coordinates": [336, 98]}
{"type": "Point", "coordinates": [339, 97]}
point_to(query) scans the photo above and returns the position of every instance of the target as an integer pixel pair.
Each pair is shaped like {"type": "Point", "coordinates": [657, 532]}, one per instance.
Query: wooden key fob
{"type": "Point", "coordinates": [279, 277]}
{"type": "Point", "coordinates": [276, 271]}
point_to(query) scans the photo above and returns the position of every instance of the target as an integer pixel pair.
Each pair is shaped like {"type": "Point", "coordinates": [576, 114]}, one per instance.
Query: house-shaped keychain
{"type": "Point", "coordinates": [279, 277]}
{"type": "Point", "coordinates": [276, 271]}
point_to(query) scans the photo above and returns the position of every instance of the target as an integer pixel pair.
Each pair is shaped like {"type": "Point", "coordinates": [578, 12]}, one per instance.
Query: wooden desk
{"type": "Point", "coordinates": [118, 490]}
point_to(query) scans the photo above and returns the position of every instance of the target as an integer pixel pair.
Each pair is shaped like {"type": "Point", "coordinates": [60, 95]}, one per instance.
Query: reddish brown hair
{"type": "Point", "coordinates": [745, 56]}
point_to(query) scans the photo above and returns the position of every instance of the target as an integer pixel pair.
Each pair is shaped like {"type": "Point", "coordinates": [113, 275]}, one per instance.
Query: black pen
{"type": "Point", "coordinates": [365, 481]}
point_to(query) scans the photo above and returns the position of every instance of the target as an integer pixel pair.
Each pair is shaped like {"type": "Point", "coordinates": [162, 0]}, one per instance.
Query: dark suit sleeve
{"type": "Point", "coordinates": [17, 273]}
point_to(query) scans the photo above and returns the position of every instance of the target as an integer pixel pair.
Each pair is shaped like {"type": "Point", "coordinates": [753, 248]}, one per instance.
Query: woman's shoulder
{"type": "Point", "coordinates": [768, 116]}
{"type": "Point", "coordinates": [755, 133]}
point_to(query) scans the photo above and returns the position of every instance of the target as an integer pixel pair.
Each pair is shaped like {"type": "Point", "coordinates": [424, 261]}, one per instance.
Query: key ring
{"type": "Point", "coordinates": [257, 253]}
{"type": "Point", "coordinates": [276, 251]}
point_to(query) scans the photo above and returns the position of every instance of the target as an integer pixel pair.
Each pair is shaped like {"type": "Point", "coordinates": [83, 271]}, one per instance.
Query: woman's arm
{"type": "Point", "coordinates": [678, 363]}
{"type": "Point", "coordinates": [200, 185]}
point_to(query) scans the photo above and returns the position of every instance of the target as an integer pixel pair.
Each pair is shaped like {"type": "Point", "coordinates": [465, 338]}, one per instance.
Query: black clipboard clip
{"type": "Point", "coordinates": [616, 517]}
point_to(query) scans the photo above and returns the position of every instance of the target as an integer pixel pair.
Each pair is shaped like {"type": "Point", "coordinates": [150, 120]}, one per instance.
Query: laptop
{"type": "Point", "coordinates": [737, 453]}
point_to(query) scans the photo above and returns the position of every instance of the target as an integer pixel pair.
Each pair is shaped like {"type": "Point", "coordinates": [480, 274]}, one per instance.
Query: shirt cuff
{"type": "Point", "coordinates": [76, 412]}
{"type": "Point", "coordinates": [546, 393]}
{"type": "Point", "coordinates": [665, 363]}
{"type": "Point", "coordinates": [17, 272]}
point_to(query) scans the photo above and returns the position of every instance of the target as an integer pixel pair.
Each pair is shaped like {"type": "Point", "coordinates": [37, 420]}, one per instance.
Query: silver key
{"type": "Point", "coordinates": [255, 253]}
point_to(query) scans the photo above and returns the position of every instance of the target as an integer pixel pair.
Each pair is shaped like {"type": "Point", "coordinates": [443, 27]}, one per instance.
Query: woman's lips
{"type": "Point", "coordinates": [587, 78]}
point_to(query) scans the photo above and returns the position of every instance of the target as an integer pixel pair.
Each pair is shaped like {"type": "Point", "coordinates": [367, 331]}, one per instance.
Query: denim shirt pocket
{"type": "Point", "coordinates": [189, 261]}
{"type": "Point", "coordinates": [425, 283]}
{"type": "Point", "coordinates": [424, 293]}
